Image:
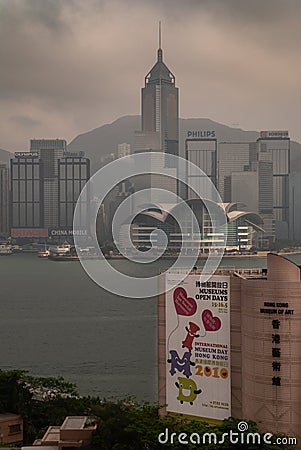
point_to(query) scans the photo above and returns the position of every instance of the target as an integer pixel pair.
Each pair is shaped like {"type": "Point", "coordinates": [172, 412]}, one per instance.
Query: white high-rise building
{"type": "Point", "coordinates": [50, 151]}
{"type": "Point", "coordinates": [232, 157]}
{"type": "Point", "coordinates": [3, 198]}
{"type": "Point", "coordinates": [274, 146]}
{"type": "Point", "coordinates": [254, 189]}
{"type": "Point", "coordinates": [203, 154]}
{"type": "Point", "coordinates": [124, 149]}
{"type": "Point", "coordinates": [295, 206]}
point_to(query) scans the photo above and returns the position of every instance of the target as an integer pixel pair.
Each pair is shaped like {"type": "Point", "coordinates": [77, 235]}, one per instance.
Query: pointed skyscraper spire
{"type": "Point", "coordinates": [160, 110]}
{"type": "Point", "coordinates": [160, 53]}
{"type": "Point", "coordinates": [160, 34]}
{"type": "Point", "coordinates": [159, 72]}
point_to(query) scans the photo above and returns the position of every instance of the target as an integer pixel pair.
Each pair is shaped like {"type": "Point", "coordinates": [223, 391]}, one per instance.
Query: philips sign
{"type": "Point", "coordinates": [201, 134]}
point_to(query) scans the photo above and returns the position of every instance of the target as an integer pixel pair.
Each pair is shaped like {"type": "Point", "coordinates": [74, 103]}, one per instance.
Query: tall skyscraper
{"type": "Point", "coordinates": [233, 157]}
{"type": "Point", "coordinates": [3, 198]}
{"type": "Point", "coordinates": [295, 206]}
{"type": "Point", "coordinates": [254, 189]}
{"type": "Point", "coordinates": [73, 174]}
{"type": "Point", "coordinates": [45, 186]}
{"type": "Point", "coordinates": [269, 157]}
{"type": "Point", "coordinates": [274, 146]}
{"type": "Point", "coordinates": [26, 191]}
{"type": "Point", "coordinates": [203, 153]}
{"type": "Point", "coordinates": [160, 105]}
{"type": "Point", "coordinates": [123, 150]}
{"type": "Point", "coordinates": [159, 128]}
{"type": "Point", "coordinates": [50, 151]}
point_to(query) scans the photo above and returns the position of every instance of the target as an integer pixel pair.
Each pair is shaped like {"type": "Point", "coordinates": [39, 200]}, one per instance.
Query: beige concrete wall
{"type": "Point", "coordinates": [84, 434]}
{"type": "Point", "coordinates": [235, 337]}
{"type": "Point", "coordinates": [280, 269]}
{"type": "Point", "coordinates": [275, 408]}
{"type": "Point", "coordinates": [8, 437]}
{"type": "Point", "coordinates": [161, 348]}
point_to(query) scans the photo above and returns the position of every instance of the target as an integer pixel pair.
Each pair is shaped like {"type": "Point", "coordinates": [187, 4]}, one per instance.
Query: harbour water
{"type": "Point", "coordinates": [54, 320]}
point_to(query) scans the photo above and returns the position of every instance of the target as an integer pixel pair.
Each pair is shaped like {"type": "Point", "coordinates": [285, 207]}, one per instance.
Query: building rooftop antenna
{"type": "Point", "coordinates": [160, 34]}
{"type": "Point", "coordinates": [160, 49]}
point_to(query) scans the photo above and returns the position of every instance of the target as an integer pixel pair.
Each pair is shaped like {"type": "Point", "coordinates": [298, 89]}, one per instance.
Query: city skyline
{"type": "Point", "coordinates": [70, 67]}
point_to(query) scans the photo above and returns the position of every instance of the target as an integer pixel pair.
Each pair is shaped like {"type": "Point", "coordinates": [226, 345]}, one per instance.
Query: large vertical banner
{"type": "Point", "coordinates": [198, 347]}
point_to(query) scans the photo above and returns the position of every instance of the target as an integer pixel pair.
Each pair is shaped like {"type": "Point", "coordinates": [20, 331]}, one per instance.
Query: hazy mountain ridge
{"type": "Point", "coordinates": [105, 139]}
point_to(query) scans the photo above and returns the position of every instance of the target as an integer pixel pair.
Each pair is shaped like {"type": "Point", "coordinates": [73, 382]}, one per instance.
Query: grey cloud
{"type": "Point", "coordinates": [23, 14]}
{"type": "Point", "coordinates": [233, 10]}
{"type": "Point", "coordinates": [255, 10]}
{"type": "Point", "coordinates": [25, 121]}
{"type": "Point", "coordinates": [80, 63]}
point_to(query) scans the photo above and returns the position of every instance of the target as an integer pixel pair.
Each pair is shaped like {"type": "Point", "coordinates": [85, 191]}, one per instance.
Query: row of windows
{"type": "Point", "coordinates": [280, 191]}
{"type": "Point", "coordinates": [25, 191]}
{"type": "Point", "coordinates": [16, 428]}
{"type": "Point", "coordinates": [67, 211]}
{"type": "Point", "coordinates": [70, 190]}
{"type": "Point", "coordinates": [30, 169]}
{"type": "Point", "coordinates": [73, 172]}
{"type": "Point", "coordinates": [26, 215]}
{"type": "Point", "coordinates": [30, 190]}
{"type": "Point", "coordinates": [25, 171]}
{"type": "Point", "coordinates": [205, 160]}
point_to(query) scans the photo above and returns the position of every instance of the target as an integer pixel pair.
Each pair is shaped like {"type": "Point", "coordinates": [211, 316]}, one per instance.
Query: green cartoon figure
{"type": "Point", "coordinates": [186, 383]}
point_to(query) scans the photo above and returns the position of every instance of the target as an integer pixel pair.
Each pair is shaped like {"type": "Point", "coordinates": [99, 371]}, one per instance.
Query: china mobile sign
{"type": "Point", "coordinates": [67, 232]}
{"type": "Point", "coordinates": [198, 347]}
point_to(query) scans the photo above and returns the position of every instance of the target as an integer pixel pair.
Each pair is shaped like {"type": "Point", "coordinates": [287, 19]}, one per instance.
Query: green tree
{"type": "Point", "coordinates": [14, 396]}
{"type": "Point", "coordinates": [40, 401]}
{"type": "Point", "coordinates": [123, 424]}
{"type": "Point", "coordinates": [126, 424]}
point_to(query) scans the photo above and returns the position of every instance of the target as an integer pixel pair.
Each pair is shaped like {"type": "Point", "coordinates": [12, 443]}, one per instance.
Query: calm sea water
{"type": "Point", "coordinates": [54, 320]}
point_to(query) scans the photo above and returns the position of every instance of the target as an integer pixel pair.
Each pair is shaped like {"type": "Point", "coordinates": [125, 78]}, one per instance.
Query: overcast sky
{"type": "Point", "coordinates": [67, 66]}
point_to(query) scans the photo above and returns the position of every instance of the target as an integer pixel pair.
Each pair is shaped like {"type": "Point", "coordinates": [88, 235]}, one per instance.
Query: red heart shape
{"type": "Point", "coordinates": [185, 306]}
{"type": "Point", "coordinates": [210, 323]}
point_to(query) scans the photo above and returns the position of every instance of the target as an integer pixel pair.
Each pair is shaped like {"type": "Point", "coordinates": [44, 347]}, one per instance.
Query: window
{"type": "Point", "coordinates": [84, 171]}
{"type": "Point", "coordinates": [15, 428]}
{"type": "Point", "coordinates": [36, 215]}
{"type": "Point", "coordinates": [76, 171]}
{"type": "Point", "coordinates": [16, 215]}
{"type": "Point", "coordinates": [15, 171]}
{"type": "Point", "coordinates": [29, 171]}
{"type": "Point", "coordinates": [15, 191]}
{"type": "Point", "coordinates": [22, 219]}
{"type": "Point", "coordinates": [22, 191]}
{"type": "Point", "coordinates": [36, 191]}
{"type": "Point", "coordinates": [29, 191]}
{"type": "Point", "coordinates": [22, 171]}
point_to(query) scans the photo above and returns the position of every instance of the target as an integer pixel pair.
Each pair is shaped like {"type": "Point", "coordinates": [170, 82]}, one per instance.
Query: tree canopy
{"type": "Point", "coordinates": [123, 424]}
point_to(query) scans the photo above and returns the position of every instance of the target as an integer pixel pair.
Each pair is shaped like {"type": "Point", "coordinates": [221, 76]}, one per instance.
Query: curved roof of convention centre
{"type": "Point", "coordinates": [251, 218]}
{"type": "Point", "coordinates": [164, 211]}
